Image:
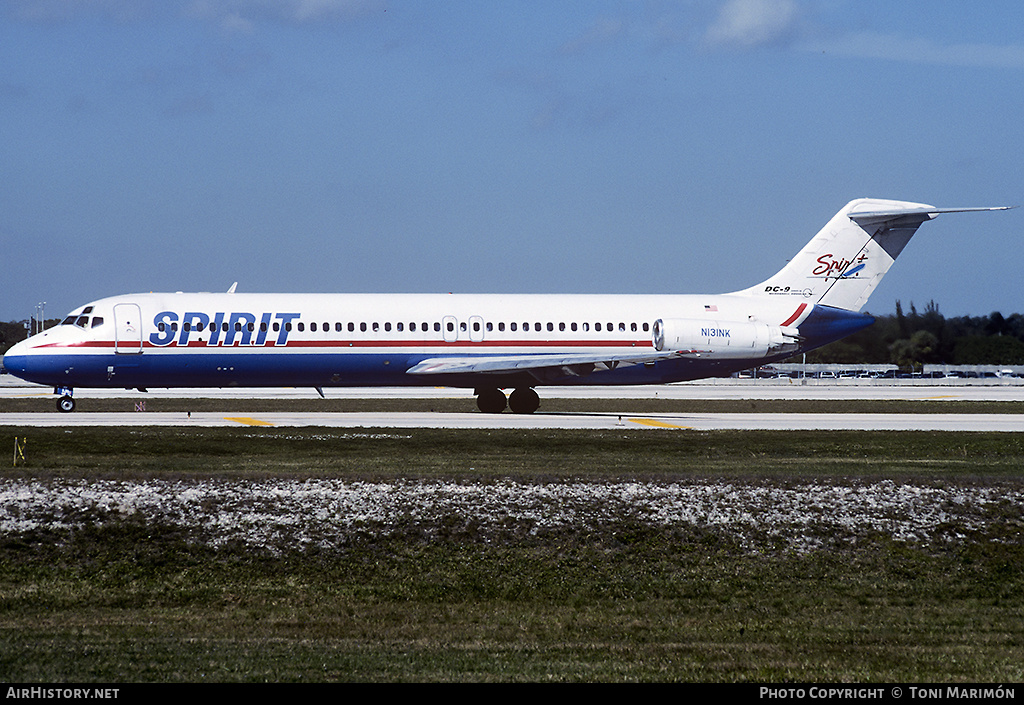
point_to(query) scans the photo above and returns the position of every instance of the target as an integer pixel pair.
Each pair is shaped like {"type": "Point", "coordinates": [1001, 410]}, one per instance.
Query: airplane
{"type": "Point", "coordinates": [489, 343]}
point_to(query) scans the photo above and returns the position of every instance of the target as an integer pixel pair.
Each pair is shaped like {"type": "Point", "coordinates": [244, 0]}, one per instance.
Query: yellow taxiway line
{"type": "Point", "coordinates": [247, 421]}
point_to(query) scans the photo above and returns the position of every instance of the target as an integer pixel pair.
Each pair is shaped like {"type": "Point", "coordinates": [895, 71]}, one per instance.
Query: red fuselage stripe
{"type": "Point", "coordinates": [796, 315]}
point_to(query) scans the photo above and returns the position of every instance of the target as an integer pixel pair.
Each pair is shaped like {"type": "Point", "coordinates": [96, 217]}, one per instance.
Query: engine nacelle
{"type": "Point", "coordinates": [724, 339]}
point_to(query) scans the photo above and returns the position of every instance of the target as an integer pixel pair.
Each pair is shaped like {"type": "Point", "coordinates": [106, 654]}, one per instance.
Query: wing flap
{"type": "Point", "coordinates": [499, 364]}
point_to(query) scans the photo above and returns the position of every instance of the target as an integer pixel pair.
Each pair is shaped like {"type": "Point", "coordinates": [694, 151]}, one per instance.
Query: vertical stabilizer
{"type": "Point", "coordinates": [847, 259]}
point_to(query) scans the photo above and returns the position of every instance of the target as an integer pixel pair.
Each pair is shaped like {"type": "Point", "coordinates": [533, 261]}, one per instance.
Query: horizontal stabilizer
{"type": "Point", "coordinates": [875, 217]}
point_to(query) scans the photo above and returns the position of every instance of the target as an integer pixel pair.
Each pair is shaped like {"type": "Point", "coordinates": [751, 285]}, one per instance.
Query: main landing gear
{"type": "Point", "coordinates": [522, 401]}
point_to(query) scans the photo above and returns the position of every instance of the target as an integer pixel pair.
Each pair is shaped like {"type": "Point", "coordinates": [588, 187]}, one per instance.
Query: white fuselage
{"type": "Point", "coordinates": [189, 339]}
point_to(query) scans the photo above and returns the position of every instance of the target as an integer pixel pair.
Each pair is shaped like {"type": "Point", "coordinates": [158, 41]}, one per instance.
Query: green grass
{"type": "Point", "coordinates": [552, 454]}
{"type": "Point", "coordinates": [130, 600]}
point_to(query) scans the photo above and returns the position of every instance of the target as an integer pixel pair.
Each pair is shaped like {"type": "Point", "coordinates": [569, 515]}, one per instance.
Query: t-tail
{"type": "Point", "coordinates": [847, 259]}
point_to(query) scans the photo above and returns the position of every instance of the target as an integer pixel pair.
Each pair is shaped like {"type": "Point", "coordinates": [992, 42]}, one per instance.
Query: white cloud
{"type": "Point", "coordinates": [237, 15]}
{"type": "Point", "coordinates": [891, 47]}
{"type": "Point", "coordinates": [241, 14]}
{"type": "Point", "coordinates": [749, 23]}
{"type": "Point", "coordinates": [601, 32]}
{"type": "Point", "coordinates": [68, 10]}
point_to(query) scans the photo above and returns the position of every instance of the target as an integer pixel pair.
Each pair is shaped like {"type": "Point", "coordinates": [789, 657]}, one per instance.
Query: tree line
{"type": "Point", "coordinates": [12, 332]}
{"type": "Point", "coordinates": [913, 338]}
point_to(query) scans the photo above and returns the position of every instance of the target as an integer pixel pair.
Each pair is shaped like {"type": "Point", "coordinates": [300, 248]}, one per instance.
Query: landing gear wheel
{"type": "Point", "coordinates": [523, 401]}
{"type": "Point", "coordinates": [491, 401]}
{"type": "Point", "coordinates": [65, 404]}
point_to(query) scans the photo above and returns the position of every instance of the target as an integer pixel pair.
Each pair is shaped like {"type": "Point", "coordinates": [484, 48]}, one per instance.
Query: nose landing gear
{"type": "Point", "coordinates": [65, 403]}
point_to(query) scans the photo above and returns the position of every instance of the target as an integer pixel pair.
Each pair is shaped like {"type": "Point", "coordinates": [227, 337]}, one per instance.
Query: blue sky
{"type": "Point", "coordinates": [581, 147]}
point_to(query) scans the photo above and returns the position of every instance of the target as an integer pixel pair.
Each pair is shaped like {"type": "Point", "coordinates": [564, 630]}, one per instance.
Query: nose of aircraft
{"type": "Point", "coordinates": [16, 359]}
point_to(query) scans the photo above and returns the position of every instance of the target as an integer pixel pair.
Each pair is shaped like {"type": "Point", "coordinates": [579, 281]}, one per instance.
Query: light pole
{"type": "Point", "coordinates": [41, 316]}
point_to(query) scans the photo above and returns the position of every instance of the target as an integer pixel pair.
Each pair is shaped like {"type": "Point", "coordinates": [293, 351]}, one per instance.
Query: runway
{"type": "Point", "coordinates": [724, 389]}
{"type": "Point", "coordinates": [951, 389]}
{"type": "Point", "coordinates": [697, 422]}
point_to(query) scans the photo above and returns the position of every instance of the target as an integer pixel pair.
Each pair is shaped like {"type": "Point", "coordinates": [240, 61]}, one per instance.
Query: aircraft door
{"type": "Point", "coordinates": [450, 329]}
{"type": "Point", "coordinates": [476, 329]}
{"type": "Point", "coordinates": [127, 329]}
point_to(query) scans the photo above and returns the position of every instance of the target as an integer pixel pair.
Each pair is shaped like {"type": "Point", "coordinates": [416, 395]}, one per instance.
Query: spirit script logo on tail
{"type": "Point", "coordinates": [831, 266]}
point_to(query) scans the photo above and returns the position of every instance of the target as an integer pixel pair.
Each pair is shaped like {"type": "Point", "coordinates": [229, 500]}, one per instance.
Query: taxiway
{"type": "Point", "coordinates": [726, 389]}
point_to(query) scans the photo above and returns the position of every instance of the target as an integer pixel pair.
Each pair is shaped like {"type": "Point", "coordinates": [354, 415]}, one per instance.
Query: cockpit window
{"type": "Point", "coordinates": [69, 321]}
{"type": "Point", "coordinates": [82, 322]}
{"type": "Point", "coordinates": [97, 321]}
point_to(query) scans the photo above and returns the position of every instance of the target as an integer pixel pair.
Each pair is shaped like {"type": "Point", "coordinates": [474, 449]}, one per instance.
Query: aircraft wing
{"type": "Point", "coordinates": [575, 363]}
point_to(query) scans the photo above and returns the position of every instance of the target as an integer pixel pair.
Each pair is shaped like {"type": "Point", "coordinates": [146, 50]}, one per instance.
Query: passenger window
{"type": "Point", "coordinates": [512, 327]}
{"type": "Point", "coordinates": [646, 327]}
{"type": "Point", "coordinates": [399, 327]}
{"type": "Point", "coordinates": [351, 327]}
{"type": "Point", "coordinates": [551, 326]}
{"type": "Point", "coordinates": [597, 327]}
{"type": "Point", "coordinates": [312, 327]}
{"type": "Point", "coordinates": [376, 327]}
{"type": "Point", "coordinates": [362, 327]}
{"type": "Point", "coordinates": [412, 327]}
{"type": "Point", "coordinates": [501, 327]}
{"type": "Point", "coordinates": [387, 327]}
{"type": "Point", "coordinates": [573, 327]}
{"type": "Point", "coordinates": [437, 327]}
